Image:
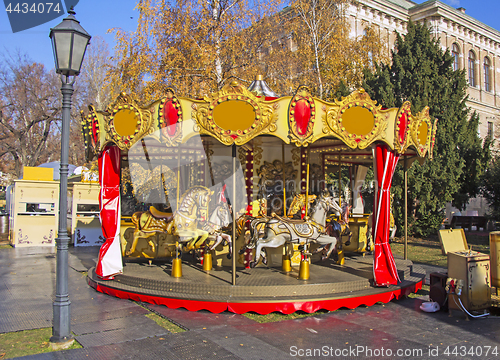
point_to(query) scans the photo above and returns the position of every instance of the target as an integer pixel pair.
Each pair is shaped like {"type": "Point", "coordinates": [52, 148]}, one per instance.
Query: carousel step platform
{"type": "Point", "coordinates": [327, 282]}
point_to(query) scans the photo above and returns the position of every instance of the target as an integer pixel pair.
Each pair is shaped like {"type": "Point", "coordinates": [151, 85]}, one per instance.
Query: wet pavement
{"type": "Point", "coordinates": [111, 328]}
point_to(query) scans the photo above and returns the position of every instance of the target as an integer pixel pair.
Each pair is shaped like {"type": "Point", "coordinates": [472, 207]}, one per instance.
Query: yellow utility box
{"type": "Point", "coordinates": [85, 222]}
{"type": "Point", "coordinates": [34, 213]}
{"type": "Point", "coordinates": [471, 270]}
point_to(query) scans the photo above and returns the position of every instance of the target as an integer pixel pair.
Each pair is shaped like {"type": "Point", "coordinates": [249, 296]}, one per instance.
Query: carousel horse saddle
{"type": "Point", "coordinates": [287, 219]}
{"type": "Point", "coordinates": [159, 214]}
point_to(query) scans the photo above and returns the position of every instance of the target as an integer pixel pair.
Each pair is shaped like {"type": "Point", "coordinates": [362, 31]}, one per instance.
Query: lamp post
{"type": "Point", "coordinates": [69, 42]}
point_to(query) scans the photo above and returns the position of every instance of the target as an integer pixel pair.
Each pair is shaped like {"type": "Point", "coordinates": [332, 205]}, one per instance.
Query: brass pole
{"type": "Point", "coordinates": [178, 196]}
{"type": "Point", "coordinates": [340, 183]}
{"type": "Point", "coordinates": [307, 181]}
{"type": "Point", "coordinates": [233, 205]}
{"type": "Point", "coordinates": [284, 177]}
{"type": "Point", "coordinates": [209, 161]}
{"type": "Point", "coordinates": [178, 174]}
{"type": "Point", "coordinates": [406, 208]}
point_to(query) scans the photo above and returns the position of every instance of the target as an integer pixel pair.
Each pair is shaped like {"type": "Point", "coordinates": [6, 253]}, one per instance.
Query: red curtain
{"type": "Point", "coordinates": [110, 255]}
{"type": "Point", "coordinates": [384, 267]}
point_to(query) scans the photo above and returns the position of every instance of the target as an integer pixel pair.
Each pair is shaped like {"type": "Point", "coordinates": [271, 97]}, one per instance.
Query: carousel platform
{"type": "Point", "coordinates": [262, 289]}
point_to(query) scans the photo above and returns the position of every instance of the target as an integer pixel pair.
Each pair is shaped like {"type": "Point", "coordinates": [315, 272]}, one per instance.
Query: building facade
{"type": "Point", "coordinates": [475, 46]}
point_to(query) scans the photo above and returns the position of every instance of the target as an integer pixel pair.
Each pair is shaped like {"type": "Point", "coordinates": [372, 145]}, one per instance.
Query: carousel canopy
{"type": "Point", "coordinates": [341, 131]}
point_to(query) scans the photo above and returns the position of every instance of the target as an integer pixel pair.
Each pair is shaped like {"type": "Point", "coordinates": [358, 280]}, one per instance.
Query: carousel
{"type": "Point", "coordinates": [246, 201]}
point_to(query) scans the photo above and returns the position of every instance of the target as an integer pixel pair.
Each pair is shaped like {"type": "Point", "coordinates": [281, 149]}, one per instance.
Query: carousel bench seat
{"type": "Point", "coordinates": [467, 222]}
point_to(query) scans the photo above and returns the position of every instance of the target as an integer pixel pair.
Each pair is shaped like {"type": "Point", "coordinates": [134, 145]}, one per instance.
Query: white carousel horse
{"type": "Point", "coordinates": [280, 230]}
{"type": "Point", "coordinates": [217, 225]}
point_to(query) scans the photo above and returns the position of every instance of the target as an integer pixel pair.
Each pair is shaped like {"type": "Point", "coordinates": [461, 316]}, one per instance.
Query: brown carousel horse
{"type": "Point", "coordinates": [297, 204]}
{"type": "Point", "coordinates": [340, 228]}
{"type": "Point", "coordinates": [193, 208]}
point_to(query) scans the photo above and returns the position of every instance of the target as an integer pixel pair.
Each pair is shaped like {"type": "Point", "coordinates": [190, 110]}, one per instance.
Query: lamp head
{"type": "Point", "coordinates": [69, 42]}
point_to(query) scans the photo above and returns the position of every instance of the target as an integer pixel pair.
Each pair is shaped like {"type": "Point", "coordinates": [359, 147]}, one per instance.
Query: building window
{"type": "Point", "coordinates": [455, 51]}
{"type": "Point", "coordinates": [472, 71]}
{"type": "Point", "coordinates": [487, 84]}
{"type": "Point", "coordinates": [490, 130]}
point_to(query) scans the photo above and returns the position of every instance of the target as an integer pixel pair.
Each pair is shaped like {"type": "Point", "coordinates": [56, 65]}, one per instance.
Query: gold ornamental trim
{"type": "Point", "coordinates": [141, 128]}
{"type": "Point", "coordinates": [92, 141]}
{"type": "Point", "coordinates": [335, 125]}
{"type": "Point", "coordinates": [302, 94]}
{"type": "Point", "coordinates": [264, 121]}
{"type": "Point", "coordinates": [405, 109]}
{"type": "Point", "coordinates": [165, 137]}
{"type": "Point", "coordinates": [433, 141]}
{"type": "Point", "coordinates": [421, 131]}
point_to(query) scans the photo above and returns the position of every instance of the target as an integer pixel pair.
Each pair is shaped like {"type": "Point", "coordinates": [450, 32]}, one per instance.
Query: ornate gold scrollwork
{"type": "Point", "coordinates": [353, 132]}
{"type": "Point", "coordinates": [263, 122]}
{"type": "Point", "coordinates": [257, 151]}
{"type": "Point", "coordinates": [91, 133]}
{"type": "Point", "coordinates": [400, 145]}
{"type": "Point", "coordinates": [296, 156]}
{"type": "Point", "coordinates": [301, 108]}
{"type": "Point", "coordinates": [242, 156]}
{"type": "Point", "coordinates": [170, 134]}
{"type": "Point", "coordinates": [421, 132]}
{"type": "Point", "coordinates": [130, 111]}
{"type": "Point", "coordinates": [433, 142]}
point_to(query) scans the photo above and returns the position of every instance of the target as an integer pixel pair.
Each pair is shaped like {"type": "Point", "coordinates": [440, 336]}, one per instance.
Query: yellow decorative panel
{"type": "Point", "coordinates": [205, 115]}
{"type": "Point", "coordinates": [358, 120]}
{"type": "Point", "coordinates": [125, 122]}
{"type": "Point", "coordinates": [234, 115]}
{"type": "Point", "coordinates": [423, 130]}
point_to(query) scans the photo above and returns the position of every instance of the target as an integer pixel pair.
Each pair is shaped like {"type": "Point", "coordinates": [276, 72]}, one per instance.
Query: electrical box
{"type": "Point", "coordinates": [437, 292]}
{"type": "Point", "coordinates": [85, 222]}
{"type": "Point", "coordinates": [471, 270]}
{"type": "Point", "coordinates": [34, 213]}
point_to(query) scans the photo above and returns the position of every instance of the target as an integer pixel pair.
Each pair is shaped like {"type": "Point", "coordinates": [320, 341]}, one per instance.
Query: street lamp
{"type": "Point", "coordinates": [69, 41]}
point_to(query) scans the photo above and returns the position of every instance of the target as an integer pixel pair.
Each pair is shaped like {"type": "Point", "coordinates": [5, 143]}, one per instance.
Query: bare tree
{"type": "Point", "coordinates": [30, 106]}
{"type": "Point", "coordinates": [91, 87]}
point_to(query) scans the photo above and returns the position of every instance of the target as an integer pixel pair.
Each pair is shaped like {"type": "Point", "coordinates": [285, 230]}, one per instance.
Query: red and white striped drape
{"type": "Point", "coordinates": [110, 256]}
{"type": "Point", "coordinates": [384, 267]}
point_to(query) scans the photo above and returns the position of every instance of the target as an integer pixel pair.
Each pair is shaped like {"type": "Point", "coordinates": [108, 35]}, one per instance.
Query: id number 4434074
{"type": "Point", "coordinates": [471, 350]}
{"type": "Point", "coordinates": [37, 8]}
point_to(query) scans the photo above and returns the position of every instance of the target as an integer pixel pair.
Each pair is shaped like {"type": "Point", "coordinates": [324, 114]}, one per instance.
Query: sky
{"type": "Point", "coordinates": [97, 16]}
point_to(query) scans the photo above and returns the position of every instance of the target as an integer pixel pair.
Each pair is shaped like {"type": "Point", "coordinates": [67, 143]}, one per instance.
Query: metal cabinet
{"type": "Point", "coordinates": [473, 268]}
{"type": "Point", "coordinates": [85, 223]}
{"type": "Point", "coordinates": [34, 213]}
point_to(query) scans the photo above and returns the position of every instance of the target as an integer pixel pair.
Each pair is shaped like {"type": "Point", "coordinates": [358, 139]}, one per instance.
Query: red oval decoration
{"type": "Point", "coordinates": [171, 117]}
{"type": "Point", "coordinates": [403, 121]}
{"type": "Point", "coordinates": [95, 136]}
{"type": "Point", "coordinates": [302, 115]}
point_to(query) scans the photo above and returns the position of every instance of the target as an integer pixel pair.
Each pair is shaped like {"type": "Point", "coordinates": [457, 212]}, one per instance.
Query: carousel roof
{"type": "Point", "coordinates": [340, 131]}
